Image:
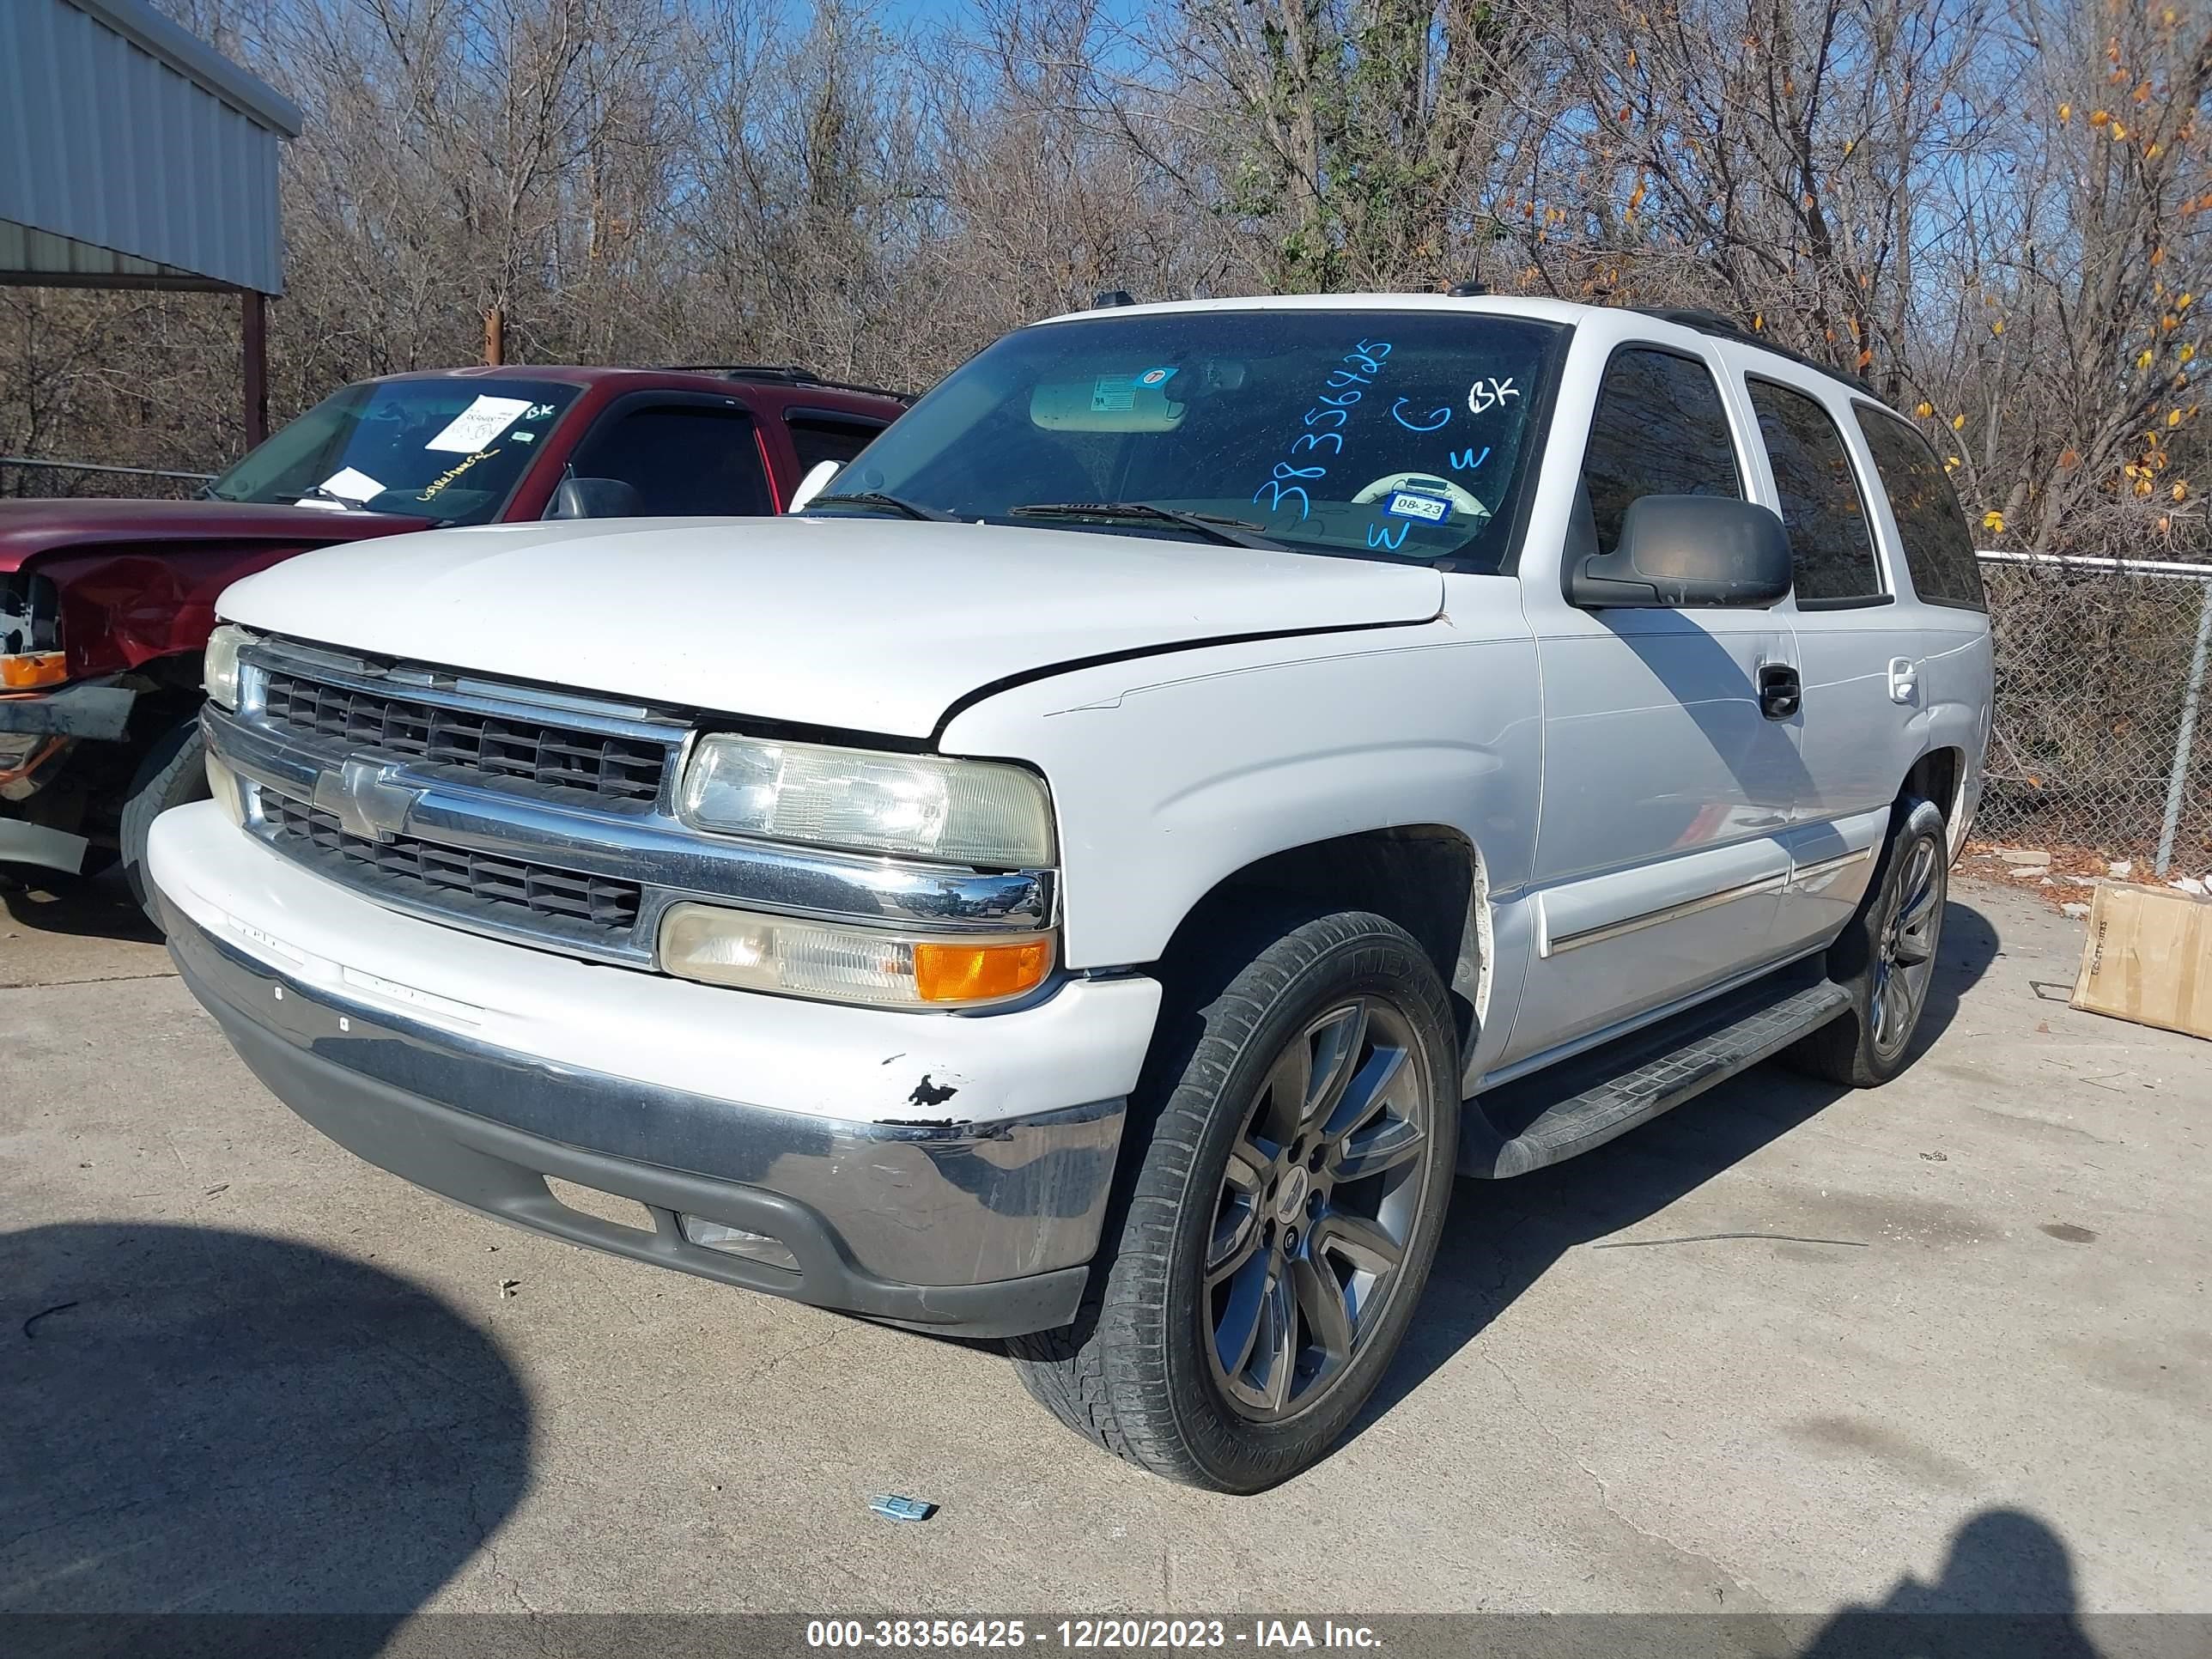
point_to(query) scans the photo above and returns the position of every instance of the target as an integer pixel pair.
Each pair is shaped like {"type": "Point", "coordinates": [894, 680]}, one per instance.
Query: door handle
{"type": "Point", "coordinates": [1780, 690]}
{"type": "Point", "coordinates": [1904, 679]}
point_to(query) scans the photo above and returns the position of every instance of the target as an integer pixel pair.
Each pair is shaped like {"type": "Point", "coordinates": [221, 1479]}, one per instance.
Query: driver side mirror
{"type": "Point", "coordinates": [1683, 550]}
{"type": "Point", "coordinates": [595, 498]}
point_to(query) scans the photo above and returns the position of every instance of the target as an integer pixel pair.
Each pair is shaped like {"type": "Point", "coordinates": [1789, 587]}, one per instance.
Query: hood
{"type": "Point", "coordinates": [862, 624]}
{"type": "Point", "coordinates": [33, 527]}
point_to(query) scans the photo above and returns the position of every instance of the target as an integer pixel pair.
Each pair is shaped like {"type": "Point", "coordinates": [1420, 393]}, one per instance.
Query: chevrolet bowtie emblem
{"type": "Point", "coordinates": [364, 800]}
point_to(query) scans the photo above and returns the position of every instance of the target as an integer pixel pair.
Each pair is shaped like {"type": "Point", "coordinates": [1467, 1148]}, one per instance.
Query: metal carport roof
{"type": "Point", "coordinates": [129, 150]}
{"type": "Point", "coordinates": [133, 155]}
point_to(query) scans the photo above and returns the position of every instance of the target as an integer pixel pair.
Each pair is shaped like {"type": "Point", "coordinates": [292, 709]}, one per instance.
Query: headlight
{"type": "Point", "coordinates": [964, 811]}
{"type": "Point", "coordinates": [221, 675]}
{"type": "Point", "coordinates": [795, 958]}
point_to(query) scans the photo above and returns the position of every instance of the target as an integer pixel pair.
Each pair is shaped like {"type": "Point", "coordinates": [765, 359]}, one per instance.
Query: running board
{"type": "Point", "coordinates": [1586, 1100]}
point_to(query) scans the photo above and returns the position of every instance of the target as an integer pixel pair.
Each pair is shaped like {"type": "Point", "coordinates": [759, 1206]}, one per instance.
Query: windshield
{"type": "Point", "coordinates": [1377, 434]}
{"type": "Point", "coordinates": [450, 450]}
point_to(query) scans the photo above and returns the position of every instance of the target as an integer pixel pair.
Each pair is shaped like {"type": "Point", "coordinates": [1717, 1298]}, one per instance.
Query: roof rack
{"type": "Point", "coordinates": [1727, 328]}
{"type": "Point", "coordinates": [785, 374]}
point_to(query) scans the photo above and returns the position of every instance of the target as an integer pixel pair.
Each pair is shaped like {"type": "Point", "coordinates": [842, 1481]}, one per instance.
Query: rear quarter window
{"type": "Point", "coordinates": [1939, 549]}
{"type": "Point", "coordinates": [819, 437]}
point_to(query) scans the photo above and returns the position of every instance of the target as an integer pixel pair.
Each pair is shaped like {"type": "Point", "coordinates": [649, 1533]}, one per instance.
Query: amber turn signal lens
{"type": "Point", "coordinates": [31, 670]}
{"type": "Point", "coordinates": [980, 973]}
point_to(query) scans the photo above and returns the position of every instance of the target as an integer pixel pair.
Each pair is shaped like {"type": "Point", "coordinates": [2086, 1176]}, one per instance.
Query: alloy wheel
{"type": "Point", "coordinates": [1317, 1211]}
{"type": "Point", "coordinates": [1904, 962]}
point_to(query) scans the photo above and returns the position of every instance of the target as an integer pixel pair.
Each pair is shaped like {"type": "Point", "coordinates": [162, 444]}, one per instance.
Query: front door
{"type": "Point", "coordinates": [1668, 791]}
{"type": "Point", "coordinates": [687, 454]}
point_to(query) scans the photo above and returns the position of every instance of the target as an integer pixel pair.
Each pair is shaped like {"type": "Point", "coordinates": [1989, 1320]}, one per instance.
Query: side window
{"type": "Point", "coordinates": [819, 438]}
{"type": "Point", "coordinates": [1830, 546]}
{"type": "Point", "coordinates": [683, 461]}
{"type": "Point", "coordinates": [1939, 549]}
{"type": "Point", "coordinates": [1660, 429]}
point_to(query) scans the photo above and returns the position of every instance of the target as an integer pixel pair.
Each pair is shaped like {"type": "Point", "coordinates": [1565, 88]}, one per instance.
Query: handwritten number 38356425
{"type": "Point", "coordinates": [1324, 424]}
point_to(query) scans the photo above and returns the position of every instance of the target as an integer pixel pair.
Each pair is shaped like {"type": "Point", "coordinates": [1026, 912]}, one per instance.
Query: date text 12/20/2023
{"type": "Point", "coordinates": [1085, 1635]}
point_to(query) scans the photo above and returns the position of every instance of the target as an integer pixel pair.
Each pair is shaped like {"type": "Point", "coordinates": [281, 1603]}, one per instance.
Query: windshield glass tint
{"type": "Point", "coordinates": [449, 450]}
{"type": "Point", "coordinates": [1385, 435]}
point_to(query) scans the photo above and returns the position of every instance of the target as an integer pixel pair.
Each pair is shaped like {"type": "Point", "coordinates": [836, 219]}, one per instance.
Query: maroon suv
{"type": "Point", "coordinates": [106, 605]}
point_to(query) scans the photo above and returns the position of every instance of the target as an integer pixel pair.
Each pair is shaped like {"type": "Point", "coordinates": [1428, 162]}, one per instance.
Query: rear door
{"type": "Point", "coordinates": [1856, 730]}
{"type": "Point", "coordinates": [1667, 794]}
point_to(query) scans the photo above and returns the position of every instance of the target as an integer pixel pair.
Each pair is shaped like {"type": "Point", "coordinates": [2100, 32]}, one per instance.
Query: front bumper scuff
{"type": "Point", "coordinates": [980, 1229]}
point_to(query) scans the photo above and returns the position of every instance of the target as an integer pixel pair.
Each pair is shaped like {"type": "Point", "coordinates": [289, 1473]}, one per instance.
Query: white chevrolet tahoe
{"type": "Point", "coordinates": [1209, 776]}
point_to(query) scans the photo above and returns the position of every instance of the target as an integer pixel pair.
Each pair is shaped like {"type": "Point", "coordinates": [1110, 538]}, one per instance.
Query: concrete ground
{"type": "Point", "coordinates": [1944, 1343]}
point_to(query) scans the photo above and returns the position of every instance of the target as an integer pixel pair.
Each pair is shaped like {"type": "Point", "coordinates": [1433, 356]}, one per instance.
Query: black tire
{"type": "Point", "coordinates": [173, 774]}
{"type": "Point", "coordinates": [1861, 1048]}
{"type": "Point", "coordinates": [1139, 1370]}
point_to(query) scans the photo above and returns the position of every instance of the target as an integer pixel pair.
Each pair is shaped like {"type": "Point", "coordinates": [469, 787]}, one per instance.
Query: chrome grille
{"type": "Point", "coordinates": [576, 905]}
{"type": "Point", "coordinates": [609, 769]}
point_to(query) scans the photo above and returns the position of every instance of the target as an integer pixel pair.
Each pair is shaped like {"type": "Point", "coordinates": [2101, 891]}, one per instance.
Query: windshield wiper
{"type": "Point", "coordinates": [898, 504]}
{"type": "Point", "coordinates": [316, 493]}
{"type": "Point", "coordinates": [1232, 533]}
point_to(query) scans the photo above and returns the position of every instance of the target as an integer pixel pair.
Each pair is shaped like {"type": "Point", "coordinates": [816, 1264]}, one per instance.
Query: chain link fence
{"type": "Point", "coordinates": [2100, 739]}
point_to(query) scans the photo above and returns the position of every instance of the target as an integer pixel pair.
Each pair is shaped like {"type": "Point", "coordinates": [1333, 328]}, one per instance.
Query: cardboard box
{"type": "Point", "coordinates": [2149, 959]}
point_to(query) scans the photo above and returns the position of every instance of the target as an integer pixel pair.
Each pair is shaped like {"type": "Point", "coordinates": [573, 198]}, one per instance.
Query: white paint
{"type": "Point", "coordinates": [870, 625]}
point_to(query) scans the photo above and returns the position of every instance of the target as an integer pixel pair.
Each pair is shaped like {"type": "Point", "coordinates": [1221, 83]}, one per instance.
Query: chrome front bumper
{"type": "Point", "coordinates": [985, 1229]}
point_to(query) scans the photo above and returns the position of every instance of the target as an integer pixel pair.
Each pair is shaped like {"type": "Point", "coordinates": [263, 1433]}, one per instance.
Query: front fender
{"type": "Point", "coordinates": [1170, 774]}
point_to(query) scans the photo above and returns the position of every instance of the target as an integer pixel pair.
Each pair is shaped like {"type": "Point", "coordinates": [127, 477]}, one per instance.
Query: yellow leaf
{"type": "Point", "coordinates": [1850, 145]}
{"type": "Point", "coordinates": [2187, 352]}
{"type": "Point", "coordinates": [2118, 131]}
{"type": "Point", "coordinates": [2098, 118]}
{"type": "Point", "coordinates": [1958, 423]}
{"type": "Point", "coordinates": [2066, 111]}
{"type": "Point", "coordinates": [2142, 92]}
{"type": "Point", "coordinates": [1993, 522]}
{"type": "Point", "coordinates": [1631, 58]}
{"type": "Point", "coordinates": [1758, 321]}
{"type": "Point", "coordinates": [1998, 327]}
{"type": "Point", "coordinates": [2181, 491]}
{"type": "Point", "coordinates": [1950, 463]}
{"type": "Point", "coordinates": [2184, 302]}
{"type": "Point", "coordinates": [2173, 417]}
{"type": "Point", "coordinates": [2143, 358]}
{"type": "Point", "coordinates": [2143, 486]}
{"type": "Point", "coordinates": [1924, 409]}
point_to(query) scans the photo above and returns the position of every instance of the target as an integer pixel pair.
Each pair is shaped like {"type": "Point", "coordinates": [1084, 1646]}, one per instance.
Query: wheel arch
{"type": "Point", "coordinates": [1430, 878]}
{"type": "Point", "coordinates": [1939, 777]}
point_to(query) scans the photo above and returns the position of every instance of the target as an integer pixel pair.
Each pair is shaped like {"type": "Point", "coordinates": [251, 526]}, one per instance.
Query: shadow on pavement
{"type": "Point", "coordinates": [96, 907]}
{"type": "Point", "coordinates": [2005, 1592]}
{"type": "Point", "coordinates": [204, 1422]}
{"type": "Point", "coordinates": [1502, 1235]}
